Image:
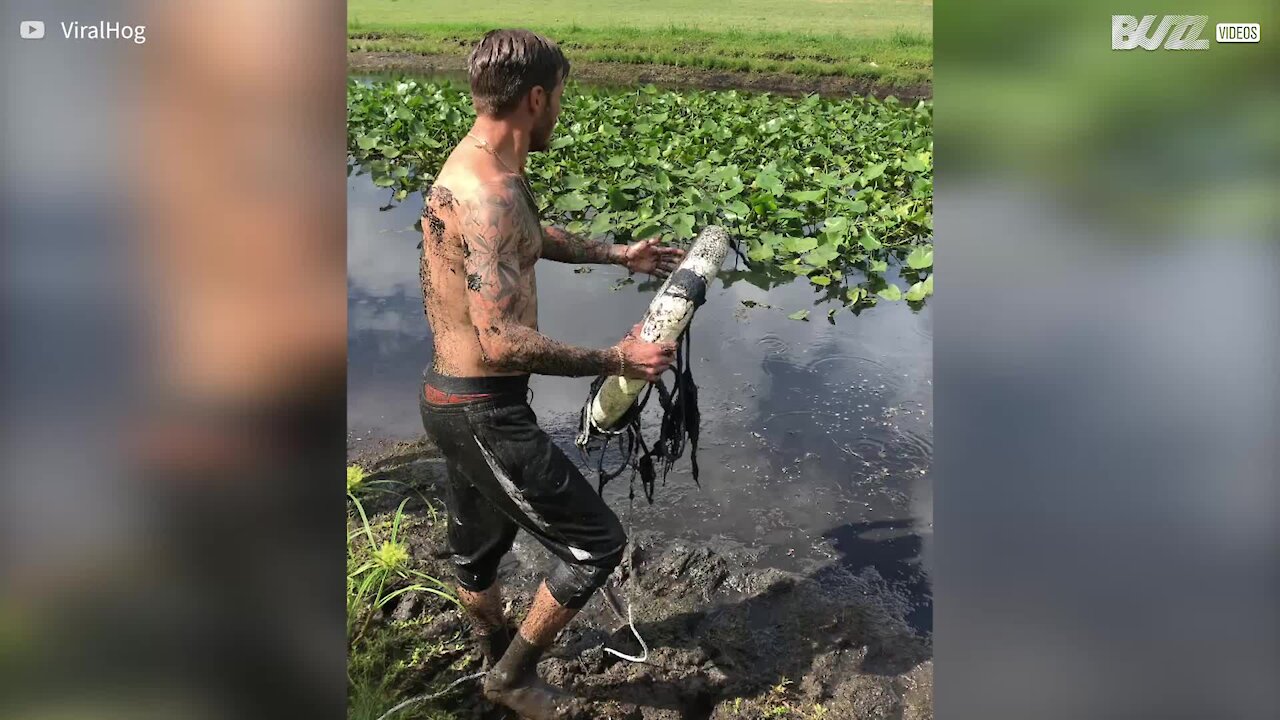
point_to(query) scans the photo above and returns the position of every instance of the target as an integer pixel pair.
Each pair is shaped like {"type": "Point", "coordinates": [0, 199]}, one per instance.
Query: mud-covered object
{"type": "Point", "coordinates": [669, 314]}
{"type": "Point", "coordinates": [505, 473]}
{"type": "Point", "coordinates": [678, 430]}
{"type": "Point", "coordinates": [689, 285]}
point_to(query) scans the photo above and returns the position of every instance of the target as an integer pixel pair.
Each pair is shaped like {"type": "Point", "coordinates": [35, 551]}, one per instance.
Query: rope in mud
{"type": "Point", "coordinates": [612, 601]}
{"type": "Point", "coordinates": [432, 696]}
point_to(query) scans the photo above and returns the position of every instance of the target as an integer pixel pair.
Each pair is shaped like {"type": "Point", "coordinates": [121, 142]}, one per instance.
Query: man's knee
{"type": "Point", "coordinates": [572, 583]}
{"type": "Point", "coordinates": [476, 574]}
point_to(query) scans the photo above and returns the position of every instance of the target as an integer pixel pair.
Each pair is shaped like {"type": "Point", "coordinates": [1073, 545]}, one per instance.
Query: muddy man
{"type": "Point", "coordinates": [481, 237]}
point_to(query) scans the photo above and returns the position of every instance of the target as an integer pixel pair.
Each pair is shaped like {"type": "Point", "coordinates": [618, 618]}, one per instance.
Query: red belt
{"type": "Point", "coordinates": [436, 396]}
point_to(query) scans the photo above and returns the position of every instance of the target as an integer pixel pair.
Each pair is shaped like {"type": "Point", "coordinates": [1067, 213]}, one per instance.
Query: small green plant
{"type": "Point", "coordinates": [355, 478]}
{"type": "Point", "coordinates": [381, 573]}
{"type": "Point", "coordinates": [386, 658]}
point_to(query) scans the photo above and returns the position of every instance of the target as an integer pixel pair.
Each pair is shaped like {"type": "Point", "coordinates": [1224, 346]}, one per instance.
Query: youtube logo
{"type": "Point", "coordinates": [32, 29]}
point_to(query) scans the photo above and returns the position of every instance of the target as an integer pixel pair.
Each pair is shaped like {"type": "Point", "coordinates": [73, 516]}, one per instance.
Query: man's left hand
{"type": "Point", "coordinates": [649, 256]}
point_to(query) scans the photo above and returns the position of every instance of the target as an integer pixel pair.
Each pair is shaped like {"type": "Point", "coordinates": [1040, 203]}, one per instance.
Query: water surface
{"type": "Point", "coordinates": [816, 438]}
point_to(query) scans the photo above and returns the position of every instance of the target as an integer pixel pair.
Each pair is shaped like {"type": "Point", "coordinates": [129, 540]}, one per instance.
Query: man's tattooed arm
{"type": "Point", "coordinates": [561, 245]}
{"type": "Point", "coordinates": [492, 262]}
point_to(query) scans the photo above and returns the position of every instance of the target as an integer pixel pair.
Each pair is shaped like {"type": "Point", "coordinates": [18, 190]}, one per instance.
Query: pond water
{"type": "Point", "coordinates": [816, 440]}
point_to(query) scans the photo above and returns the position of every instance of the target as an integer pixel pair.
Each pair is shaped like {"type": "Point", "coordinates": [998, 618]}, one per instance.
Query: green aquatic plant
{"type": "Point", "coordinates": [832, 190]}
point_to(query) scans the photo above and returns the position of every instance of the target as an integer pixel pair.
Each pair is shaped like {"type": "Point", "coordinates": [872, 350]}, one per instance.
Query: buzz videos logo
{"type": "Point", "coordinates": [1175, 32]}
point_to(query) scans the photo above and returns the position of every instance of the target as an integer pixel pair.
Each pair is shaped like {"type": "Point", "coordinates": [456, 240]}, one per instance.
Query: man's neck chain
{"type": "Point", "coordinates": [484, 145]}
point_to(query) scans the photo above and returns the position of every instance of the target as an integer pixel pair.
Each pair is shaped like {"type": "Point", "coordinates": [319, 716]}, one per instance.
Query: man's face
{"type": "Point", "coordinates": [545, 123]}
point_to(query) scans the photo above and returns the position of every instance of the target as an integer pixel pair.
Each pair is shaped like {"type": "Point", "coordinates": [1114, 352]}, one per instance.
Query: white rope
{"type": "Point", "coordinates": [631, 623]}
{"type": "Point", "coordinates": [613, 601]}
{"type": "Point", "coordinates": [432, 696]}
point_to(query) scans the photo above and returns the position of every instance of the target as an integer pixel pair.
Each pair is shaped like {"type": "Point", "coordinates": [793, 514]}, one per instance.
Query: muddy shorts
{"type": "Point", "coordinates": [505, 473]}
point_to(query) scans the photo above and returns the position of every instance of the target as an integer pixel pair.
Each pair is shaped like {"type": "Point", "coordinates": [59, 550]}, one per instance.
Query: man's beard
{"type": "Point", "coordinates": [540, 138]}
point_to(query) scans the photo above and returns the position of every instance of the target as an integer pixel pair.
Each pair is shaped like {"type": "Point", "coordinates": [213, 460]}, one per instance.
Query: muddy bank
{"type": "Point", "coordinates": [728, 638]}
{"type": "Point", "coordinates": [625, 75]}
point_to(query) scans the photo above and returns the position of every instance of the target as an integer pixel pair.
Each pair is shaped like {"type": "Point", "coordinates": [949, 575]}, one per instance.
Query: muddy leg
{"type": "Point", "coordinates": [491, 627]}
{"type": "Point", "coordinates": [514, 681]}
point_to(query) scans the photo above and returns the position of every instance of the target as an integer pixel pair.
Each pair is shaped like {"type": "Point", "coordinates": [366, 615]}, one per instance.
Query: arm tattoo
{"type": "Point", "coordinates": [495, 296]}
{"type": "Point", "coordinates": [563, 246]}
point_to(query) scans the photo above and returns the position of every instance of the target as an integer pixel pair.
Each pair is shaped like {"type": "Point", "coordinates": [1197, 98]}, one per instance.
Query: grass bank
{"type": "Point", "coordinates": [882, 41]}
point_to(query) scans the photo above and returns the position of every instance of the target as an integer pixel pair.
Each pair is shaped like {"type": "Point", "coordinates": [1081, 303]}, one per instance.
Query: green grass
{"type": "Point", "coordinates": [885, 40]}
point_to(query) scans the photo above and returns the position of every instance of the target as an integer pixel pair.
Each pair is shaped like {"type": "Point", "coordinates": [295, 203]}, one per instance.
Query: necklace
{"type": "Point", "coordinates": [484, 145]}
{"type": "Point", "coordinates": [524, 181]}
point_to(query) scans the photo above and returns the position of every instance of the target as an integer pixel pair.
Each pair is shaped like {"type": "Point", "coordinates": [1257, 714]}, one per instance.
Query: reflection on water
{"type": "Point", "coordinates": [816, 438]}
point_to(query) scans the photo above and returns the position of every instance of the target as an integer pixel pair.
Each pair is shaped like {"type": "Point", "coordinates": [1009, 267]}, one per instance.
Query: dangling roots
{"type": "Point", "coordinates": [678, 430]}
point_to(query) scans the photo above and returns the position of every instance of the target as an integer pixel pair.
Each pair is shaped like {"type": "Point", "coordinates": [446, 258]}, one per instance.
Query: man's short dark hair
{"type": "Point", "coordinates": [506, 64]}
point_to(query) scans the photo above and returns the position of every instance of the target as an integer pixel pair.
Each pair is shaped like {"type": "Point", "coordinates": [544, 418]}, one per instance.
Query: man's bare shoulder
{"type": "Point", "coordinates": [467, 189]}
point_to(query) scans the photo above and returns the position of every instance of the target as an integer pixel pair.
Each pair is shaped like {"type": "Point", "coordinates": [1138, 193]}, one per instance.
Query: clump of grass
{"type": "Point", "coordinates": [386, 658]}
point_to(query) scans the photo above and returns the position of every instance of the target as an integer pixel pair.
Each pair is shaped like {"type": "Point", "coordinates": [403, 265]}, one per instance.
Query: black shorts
{"type": "Point", "coordinates": [505, 473]}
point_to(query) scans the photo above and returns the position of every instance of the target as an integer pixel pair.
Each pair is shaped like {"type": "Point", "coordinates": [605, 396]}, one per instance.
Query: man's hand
{"type": "Point", "coordinates": [644, 360]}
{"type": "Point", "coordinates": [647, 256]}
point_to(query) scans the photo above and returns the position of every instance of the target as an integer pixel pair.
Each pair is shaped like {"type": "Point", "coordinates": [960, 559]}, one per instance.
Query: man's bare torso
{"type": "Point", "coordinates": [480, 239]}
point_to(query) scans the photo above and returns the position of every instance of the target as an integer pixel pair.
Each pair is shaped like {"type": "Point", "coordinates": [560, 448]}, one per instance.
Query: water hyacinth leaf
{"type": "Point", "coordinates": [602, 223]}
{"type": "Point", "coordinates": [868, 242]}
{"type": "Point", "coordinates": [920, 258]}
{"type": "Point", "coordinates": [854, 294]}
{"type": "Point", "coordinates": [821, 280]}
{"type": "Point", "coordinates": [647, 230]}
{"type": "Point", "coordinates": [737, 210]}
{"type": "Point", "coordinates": [917, 292]}
{"type": "Point", "coordinates": [836, 226]}
{"type": "Point", "coordinates": [878, 266]}
{"type": "Point", "coordinates": [760, 253]}
{"type": "Point", "coordinates": [367, 142]}
{"type": "Point", "coordinates": [913, 164]}
{"type": "Point", "coordinates": [683, 226]}
{"type": "Point", "coordinates": [732, 190]}
{"type": "Point", "coordinates": [800, 244]}
{"type": "Point", "coordinates": [769, 183]}
{"type": "Point", "coordinates": [892, 292]}
{"type": "Point", "coordinates": [570, 202]}
{"type": "Point", "coordinates": [805, 196]}
{"type": "Point", "coordinates": [874, 171]}
{"type": "Point", "coordinates": [616, 161]}
{"type": "Point", "coordinates": [562, 142]}
{"type": "Point", "coordinates": [800, 315]}
{"type": "Point", "coordinates": [822, 255]}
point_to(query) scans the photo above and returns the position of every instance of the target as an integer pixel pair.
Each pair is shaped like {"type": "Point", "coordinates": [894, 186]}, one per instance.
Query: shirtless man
{"type": "Point", "coordinates": [481, 238]}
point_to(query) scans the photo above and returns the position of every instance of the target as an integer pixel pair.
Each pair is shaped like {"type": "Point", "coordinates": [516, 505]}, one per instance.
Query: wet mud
{"type": "Point", "coordinates": [729, 636]}
{"type": "Point", "coordinates": [667, 76]}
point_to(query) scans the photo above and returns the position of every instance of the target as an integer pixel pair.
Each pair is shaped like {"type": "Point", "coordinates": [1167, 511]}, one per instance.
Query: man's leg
{"type": "Point", "coordinates": [485, 608]}
{"type": "Point", "coordinates": [514, 680]}
{"type": "Point", "coordinates": [546, 618]}
{"type": "Point", "coordinates": [479, 535]}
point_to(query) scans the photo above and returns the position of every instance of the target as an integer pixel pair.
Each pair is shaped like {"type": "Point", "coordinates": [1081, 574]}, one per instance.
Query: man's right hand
{"type": "Point", "coordinates": [645, 360]}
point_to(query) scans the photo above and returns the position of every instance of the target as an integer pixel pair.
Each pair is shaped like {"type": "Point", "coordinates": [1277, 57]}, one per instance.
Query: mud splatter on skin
{"type": "Point", "coordinates": [473, 282]}
{"type": "Point", "coordinates": [493, 330]}
{"type": "Point", "coordinates": [444, 197]}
